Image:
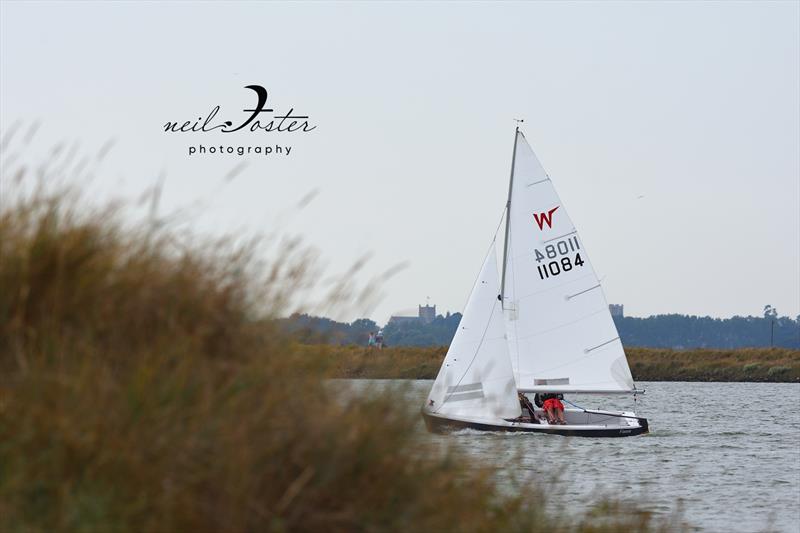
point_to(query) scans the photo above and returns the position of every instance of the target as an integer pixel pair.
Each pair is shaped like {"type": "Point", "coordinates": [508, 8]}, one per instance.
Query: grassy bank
{"type": "Point", "coordinates": [143, 389]}
{"type": "Point", "coordinates": [746, 364]}
{"type": "Point", "coordinates": [749, 364]}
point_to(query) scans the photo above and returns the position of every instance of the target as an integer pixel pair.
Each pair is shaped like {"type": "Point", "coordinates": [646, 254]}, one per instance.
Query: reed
{"type": "Point", "coordinates": [647, 364]}
{"type": "Point", "coordinates": [144, 388]}
{"type": "Point", "coordinates": [744, 364]}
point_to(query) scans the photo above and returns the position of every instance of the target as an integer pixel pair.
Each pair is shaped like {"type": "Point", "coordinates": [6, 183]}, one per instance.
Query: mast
{"type": "Point", "coordinates": [508, 215]}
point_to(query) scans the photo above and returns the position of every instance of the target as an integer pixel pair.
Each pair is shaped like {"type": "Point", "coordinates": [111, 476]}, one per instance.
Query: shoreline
{"type": "Point", "coordinates": [744, 365]}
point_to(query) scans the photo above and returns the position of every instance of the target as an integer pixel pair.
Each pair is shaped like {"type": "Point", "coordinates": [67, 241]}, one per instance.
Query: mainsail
{"type": "Point", "coordinates": [561, 336]}
{"type": "Point", "coordinates": [476, 378]}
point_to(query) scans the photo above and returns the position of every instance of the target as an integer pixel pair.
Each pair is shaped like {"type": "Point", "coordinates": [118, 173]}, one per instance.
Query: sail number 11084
{"type": "Point", "coordinates": [561, 257]}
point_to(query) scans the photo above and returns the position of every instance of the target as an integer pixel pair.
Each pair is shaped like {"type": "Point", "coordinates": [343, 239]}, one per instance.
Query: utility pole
{"type": "Point", "coordinates": [771, 332]}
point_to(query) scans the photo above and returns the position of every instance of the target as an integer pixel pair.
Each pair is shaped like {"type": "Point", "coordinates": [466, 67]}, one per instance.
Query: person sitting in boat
{"type": "Point", "coordinates": [554, 408]}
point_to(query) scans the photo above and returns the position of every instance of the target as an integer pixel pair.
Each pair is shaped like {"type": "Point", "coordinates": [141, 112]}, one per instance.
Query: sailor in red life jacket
{"type": "Point", "coordinates": [554, 408]}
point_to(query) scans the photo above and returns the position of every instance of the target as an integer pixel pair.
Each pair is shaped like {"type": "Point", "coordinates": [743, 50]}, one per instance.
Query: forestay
{"type": "Point", "coordinates": [476, 379]}
{"type": "Point", "coordinates": [561, 335]}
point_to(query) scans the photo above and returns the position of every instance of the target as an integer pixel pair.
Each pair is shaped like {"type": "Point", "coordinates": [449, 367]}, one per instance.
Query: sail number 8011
{"type": "Point", "coordinates": [563, 249]}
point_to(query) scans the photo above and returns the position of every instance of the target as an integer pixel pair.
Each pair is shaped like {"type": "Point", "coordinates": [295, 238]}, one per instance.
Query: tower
{"type": "Point", "coordinates": [427, 313]}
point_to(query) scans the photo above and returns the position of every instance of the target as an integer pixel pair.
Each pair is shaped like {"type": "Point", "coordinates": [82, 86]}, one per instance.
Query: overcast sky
{"type": "Point", "coordinates": [671, 131]}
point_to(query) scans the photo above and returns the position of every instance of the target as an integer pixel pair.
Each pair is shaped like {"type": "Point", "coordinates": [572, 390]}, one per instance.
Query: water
{"type": "Point", "coordinates": [727, 454]}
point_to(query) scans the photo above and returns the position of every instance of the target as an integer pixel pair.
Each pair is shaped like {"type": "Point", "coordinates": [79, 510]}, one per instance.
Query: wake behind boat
{"type": "Point", "coordinates": [541, 326]}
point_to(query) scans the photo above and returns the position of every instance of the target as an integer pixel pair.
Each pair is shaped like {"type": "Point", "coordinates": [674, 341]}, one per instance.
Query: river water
{"type": "Point", "coordinates": [726, 454]}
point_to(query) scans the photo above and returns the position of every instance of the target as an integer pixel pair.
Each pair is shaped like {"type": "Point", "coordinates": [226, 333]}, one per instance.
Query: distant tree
{"type": "Point", "coordinates": [439, 332]}
{"type": "Point", "coordinates": [660, 331]}
{"type": "Point", "coordinates": [360, 330]}
{"type": "Point", "coordinates": [320, 330]}
{"type": "Point", "coordinates": [681, 331]}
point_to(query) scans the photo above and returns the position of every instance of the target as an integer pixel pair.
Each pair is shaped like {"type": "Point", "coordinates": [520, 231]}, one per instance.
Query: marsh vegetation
{"type": "Point", "coordinates": [647, 364]}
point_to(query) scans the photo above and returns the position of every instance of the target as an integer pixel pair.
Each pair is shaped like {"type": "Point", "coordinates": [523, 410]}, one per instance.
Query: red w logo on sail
{"type": "Point", "coordinates": [545, 218]}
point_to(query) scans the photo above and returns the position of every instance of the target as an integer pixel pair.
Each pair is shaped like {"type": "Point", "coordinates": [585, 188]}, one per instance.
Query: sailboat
{"type": "Point", "coordinates": [540, 326]}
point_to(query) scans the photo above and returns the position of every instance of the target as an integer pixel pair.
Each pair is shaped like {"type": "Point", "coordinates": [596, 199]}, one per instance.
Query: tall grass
{"type": "Point", "coordinates": [743, 364]}
{"type": "Point", "coordinates": [144, 389]}
{"type": "Point", "coordinates": [397, 362]}
{"type": "Point", "coordinates": [647, 364]}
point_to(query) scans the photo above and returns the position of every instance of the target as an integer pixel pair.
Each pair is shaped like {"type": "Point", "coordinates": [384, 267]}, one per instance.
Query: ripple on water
{"type": "Point", "coordinates": [726, 471]}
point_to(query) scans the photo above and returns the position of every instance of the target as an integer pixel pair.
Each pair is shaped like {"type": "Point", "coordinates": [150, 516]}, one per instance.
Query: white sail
{"type": "Point", "coordinates": [476, 379]}
{"type": "Point", "coordinates": [560, 333]}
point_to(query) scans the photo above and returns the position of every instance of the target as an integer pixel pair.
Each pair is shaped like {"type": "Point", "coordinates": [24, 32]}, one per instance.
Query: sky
{"type": "Point", "coordinates": [671, 131]}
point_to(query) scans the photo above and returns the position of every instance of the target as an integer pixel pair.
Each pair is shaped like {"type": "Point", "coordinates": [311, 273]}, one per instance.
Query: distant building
{"type": "Point", "coordinates": [616, 310]}
{"type": "Point", "coordinates": [400, 319]}
{"type": "Point", "coordinates": [425, 314]}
